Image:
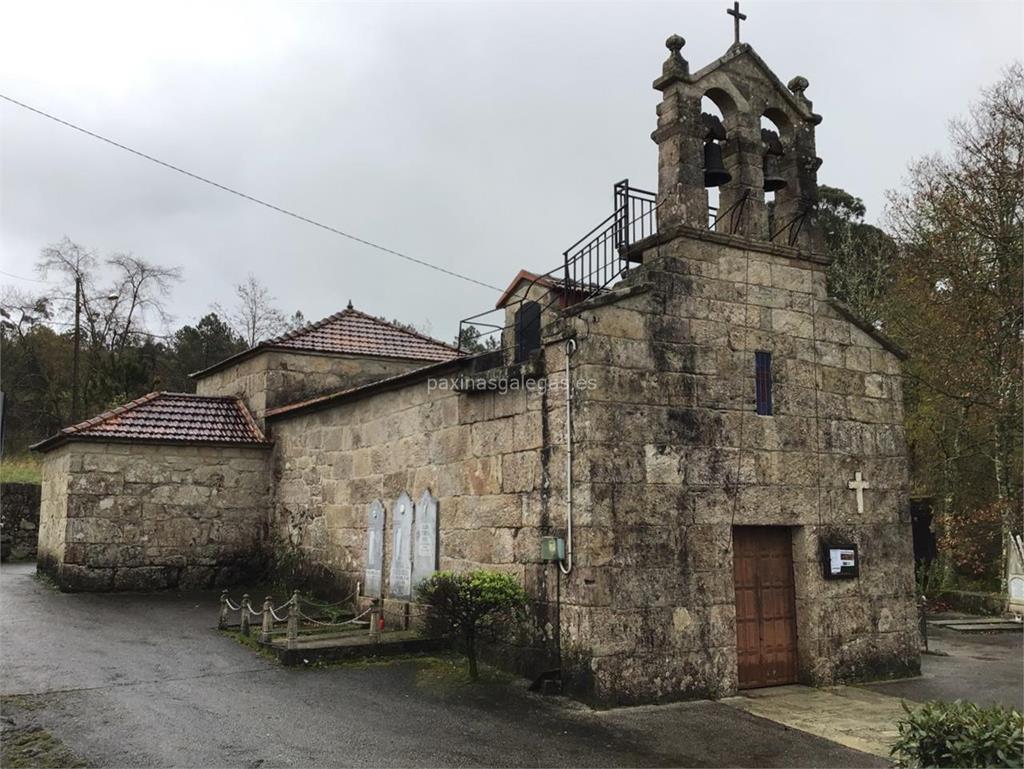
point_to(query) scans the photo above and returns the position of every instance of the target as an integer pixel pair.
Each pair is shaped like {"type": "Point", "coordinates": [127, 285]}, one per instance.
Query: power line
{"type": "Point", "coordinates": [250, 198]}
{"type": "Point", "coordinates": [66, 324]}
{"type": "Point", "coordinates": [21, 277]}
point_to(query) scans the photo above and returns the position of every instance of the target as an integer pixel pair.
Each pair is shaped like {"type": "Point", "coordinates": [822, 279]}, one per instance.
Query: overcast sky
{"type": "Point", "coordinates": [483, 137]}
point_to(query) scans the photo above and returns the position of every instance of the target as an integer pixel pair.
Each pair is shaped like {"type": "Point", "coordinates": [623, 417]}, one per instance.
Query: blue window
{"type": "Point", "coordinates": [763, 382]}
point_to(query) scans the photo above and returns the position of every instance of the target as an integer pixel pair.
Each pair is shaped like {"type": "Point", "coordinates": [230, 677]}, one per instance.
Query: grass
{"type": "Point", "coordinates": [443, 673]}
{"type": "Point", "coordinates": [22, 468]}
{"type": "Point", "coordinates": [46, 581]}
{"type": "Point", "coordinates": [30, 745]}
{"type": "Point", "coordinates": [33, 746]}
{"type": "Point", "coordinates": [251, 642]}
{"type": "Point", "coordinates": [11, 702]}
{"type": "Point", "coordinates": [449, 674]}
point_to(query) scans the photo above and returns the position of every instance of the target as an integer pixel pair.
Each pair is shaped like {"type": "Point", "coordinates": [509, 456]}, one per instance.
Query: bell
{"type": "Point", "coordinates": [715, 174]}
{"type": "Point", "coordinates": [773, 178]}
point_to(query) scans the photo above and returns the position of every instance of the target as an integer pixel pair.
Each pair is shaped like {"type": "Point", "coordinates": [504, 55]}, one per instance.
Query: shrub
{"type": "Point", "coordinates": [959, 734]}
{"type": "Point", "coordinates": [465, 606]}
{"type": "Point", "coordinates": [933, 577]}
{"type": "Point", "coordinates": [971, 540]}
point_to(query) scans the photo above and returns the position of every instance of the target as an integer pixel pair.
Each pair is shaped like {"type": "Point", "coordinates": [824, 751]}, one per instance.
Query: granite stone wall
{"type": "Point", "coordinates": [668, 456]}
{"type": "Point", "coordinates": [672, 456]}
{"type": "Point", "coordinates": [482, 455]}
{"type": "Point", "coordinates": [273, 378]}
{"type": "Point", "coordinates": [19, 521]}
{"type": "Point", "coordinates": [140, 517]}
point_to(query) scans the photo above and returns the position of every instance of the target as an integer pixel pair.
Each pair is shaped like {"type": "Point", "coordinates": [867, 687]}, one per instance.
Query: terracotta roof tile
{"type": "Point", "coordinates": [163, 416]}
{"type": "Point", "coordinates": [352, 332]}
{"type": "Point", "coordinates": [355, 332]}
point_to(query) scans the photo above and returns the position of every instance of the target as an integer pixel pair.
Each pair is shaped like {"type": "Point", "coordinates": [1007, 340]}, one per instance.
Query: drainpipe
{"type": "Point", "coordinates": [566, 565]}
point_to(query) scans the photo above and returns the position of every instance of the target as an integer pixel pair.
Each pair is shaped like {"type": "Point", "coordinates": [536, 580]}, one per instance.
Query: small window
{"type": "Point", "coordinates": [527, 330]}
{"type": "Point", "coordinates": [763, 382]}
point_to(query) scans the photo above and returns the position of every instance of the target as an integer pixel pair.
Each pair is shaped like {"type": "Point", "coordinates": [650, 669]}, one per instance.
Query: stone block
{"type": "Point", "coordinates": [520, 471]}
{"type": "Point", "coordinates": [793, 323]}
{"type": "Point", "coordinates": [75, 578]}
{"type": "Point", "coordinates": [663, 464]}
{"type": "Point", "coordinates": [144, 578]}
{"type": "Point", "coordinates": [791, 278]}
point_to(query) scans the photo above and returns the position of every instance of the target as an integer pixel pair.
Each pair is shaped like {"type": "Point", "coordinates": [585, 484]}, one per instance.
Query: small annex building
{"type": "Point", "coordinates": [172, 489]}
{"type": "Point", "coordinates": [717, 442]}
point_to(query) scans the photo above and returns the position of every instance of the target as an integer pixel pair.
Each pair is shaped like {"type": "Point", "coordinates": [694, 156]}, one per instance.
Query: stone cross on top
{"type": "Point", "coordinates": [858, 484]}
{"type": "Point", "coordinates": [737, 18]}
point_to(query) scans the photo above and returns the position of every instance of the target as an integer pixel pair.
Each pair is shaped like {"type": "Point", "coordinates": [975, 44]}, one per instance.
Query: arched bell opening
{"type": "Point", "coordinates": [782, 182]}
{"type": "Point", "coordinates": [775, 159]}
{"type": "Point", "coordinates": [713, 106]}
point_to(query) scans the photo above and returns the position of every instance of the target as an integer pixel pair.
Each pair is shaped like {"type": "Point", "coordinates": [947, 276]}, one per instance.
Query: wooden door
{"type": "Point", "coordinates": [766, 652]}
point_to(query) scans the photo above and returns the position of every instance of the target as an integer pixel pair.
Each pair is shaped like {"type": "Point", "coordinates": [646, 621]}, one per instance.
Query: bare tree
{"type": "Point", "coordinates": [20, 311]}
{"type": "Point", "coordinates": [141, 289]}
{"type": "Point", "coordinates": [110, 315]}
{"type": "Point", "coordinates": [254, 316]}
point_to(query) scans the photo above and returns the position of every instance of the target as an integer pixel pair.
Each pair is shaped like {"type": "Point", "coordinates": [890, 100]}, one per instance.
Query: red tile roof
{"type": "Point", "coordinates": [174, 417]}
{"type": "Point", "coordinates": [355, 332]}
{"type": "Point", "coordinates": [578, 290]}
{"type": "Point", "coordinates": [352, 332]}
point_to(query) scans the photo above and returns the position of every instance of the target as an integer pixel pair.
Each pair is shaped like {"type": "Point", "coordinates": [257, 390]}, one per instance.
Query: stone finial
{"type": "Point", "coordinates": [798, 85]}
{"type": "Point", "coordinates": [675, 64]}
{"type": "Point", "coordinates": [350, 307]}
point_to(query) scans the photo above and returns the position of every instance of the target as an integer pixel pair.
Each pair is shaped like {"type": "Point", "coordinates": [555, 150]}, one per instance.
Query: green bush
{"type": "Point", "coordinates": [468, 605]}
{"type": "Point", "coordinates": [960, 734]}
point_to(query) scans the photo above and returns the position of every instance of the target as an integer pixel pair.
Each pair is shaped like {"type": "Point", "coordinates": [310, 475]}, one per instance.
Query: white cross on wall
{"type": "Point", "coordinates": [858, 484]}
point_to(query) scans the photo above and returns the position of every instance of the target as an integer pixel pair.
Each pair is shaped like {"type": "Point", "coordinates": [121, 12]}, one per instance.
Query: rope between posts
{"type": "Point", "coordinates": [230, 605]}
{"type": "Point", "coordinates": [354, 621]}
{"type": "Point", "coordinates": [319, 605]}
{"type": "Point", "coordinates": [318, 623]}
{"type": "Point", "coordinates": [253, 611]}
{"type": "Point", "coordinates": [359, 616]}
{"type": "Point", "coordinates": [276, 617]}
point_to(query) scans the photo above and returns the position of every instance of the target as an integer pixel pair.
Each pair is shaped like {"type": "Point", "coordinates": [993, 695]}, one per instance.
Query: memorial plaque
{"type": "Point", "coordinates": [424, 554]}
{"type": "Point", "coordinates": [374, 549]}
{"type": "Point", "coordinates": [400, 578]}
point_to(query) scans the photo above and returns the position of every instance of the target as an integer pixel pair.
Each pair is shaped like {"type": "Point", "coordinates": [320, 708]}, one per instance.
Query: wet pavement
{"type": "Point", "coordinates": [986, 668]}
{"type": "Point", "coordinates": [146, 680]}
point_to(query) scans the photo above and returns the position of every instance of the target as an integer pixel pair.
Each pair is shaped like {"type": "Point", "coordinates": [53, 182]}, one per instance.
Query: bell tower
{"type": "Point", "coordinates": [745, 159]}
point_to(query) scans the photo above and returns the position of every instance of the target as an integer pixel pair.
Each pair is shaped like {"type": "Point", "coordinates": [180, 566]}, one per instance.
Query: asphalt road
{"type": "Point", "coordinates": [980, 667]}
{"type": "Point", "coordinates": [145, 680]}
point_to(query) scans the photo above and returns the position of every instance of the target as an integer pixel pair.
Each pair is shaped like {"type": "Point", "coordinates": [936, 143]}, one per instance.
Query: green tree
{"type": "Point", "coordinates": [471, 340]}
{"type": "Point", "coordinates": [955, 305]}
{"type": "Point", "coordinates": [193, 348]}
{"type": "Point", "coordinates": [468, 605]}
{"type": "Point", "coordinates": [862, 254]}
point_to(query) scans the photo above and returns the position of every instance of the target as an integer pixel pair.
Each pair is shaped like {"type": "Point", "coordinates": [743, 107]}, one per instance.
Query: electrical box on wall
{"type": "Point", "coordinates": [552, 549]}
{"type": "Point", "coordinates": [840, 561]}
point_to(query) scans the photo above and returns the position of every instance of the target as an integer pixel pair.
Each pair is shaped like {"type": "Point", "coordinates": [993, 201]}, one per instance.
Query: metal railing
{"type": "Point", "coordinates": [589, 267]}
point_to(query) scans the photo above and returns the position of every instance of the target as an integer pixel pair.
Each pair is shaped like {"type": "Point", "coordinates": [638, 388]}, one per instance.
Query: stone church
{"type": "Point", "coordinates": [715, 445]}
